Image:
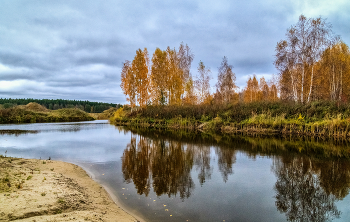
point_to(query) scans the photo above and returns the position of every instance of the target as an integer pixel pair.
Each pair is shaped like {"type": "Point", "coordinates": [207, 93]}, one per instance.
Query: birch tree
{"type": "Point", "coordinates": [159, 75]}
{"type": "Point", "coordinates": [128, 83]}
{"type": "Point", "coordinates": [335, 68]}
{"type": "Point", "coordinates": [202, 83]}
{"type": "Point", "coordinates": [140, 70]}
{"type": "Point", "coordinates": [226, 81]}
{"type": "Point", "coordinates": [297, 55]}
{"type": "Point", "coordinates": [174, 81]}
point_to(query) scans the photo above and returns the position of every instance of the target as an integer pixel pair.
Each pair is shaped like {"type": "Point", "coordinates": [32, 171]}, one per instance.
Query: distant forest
{"type": "Point", "coordinates": [53, 104]}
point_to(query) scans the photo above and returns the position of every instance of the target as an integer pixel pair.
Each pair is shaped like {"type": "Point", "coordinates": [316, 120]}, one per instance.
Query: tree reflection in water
{"type": "Point", "coordinates": [226, 158]}
{"type": "Point", "coordinates": [166, 165]}
{"type": "Point", "coordinates": [311, 175]}
{"type": "Point", "coordinates": [301, 192]}
{"type": "Point", "coordinates": [202, 161]}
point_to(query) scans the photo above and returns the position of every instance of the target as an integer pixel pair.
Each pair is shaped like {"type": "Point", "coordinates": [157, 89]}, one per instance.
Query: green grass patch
{"type": "Point", "coordinates": [37, 114]}
{"type": "Point", "coordinates": [314, 119]}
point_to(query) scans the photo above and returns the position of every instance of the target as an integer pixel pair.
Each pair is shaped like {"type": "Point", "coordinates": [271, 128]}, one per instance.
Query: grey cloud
{"type": "Point", "coordinates": [60, 44]}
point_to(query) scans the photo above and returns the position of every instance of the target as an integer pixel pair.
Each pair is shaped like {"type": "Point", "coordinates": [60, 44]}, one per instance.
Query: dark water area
{"type": "Point", "coordinates": [194, 176]}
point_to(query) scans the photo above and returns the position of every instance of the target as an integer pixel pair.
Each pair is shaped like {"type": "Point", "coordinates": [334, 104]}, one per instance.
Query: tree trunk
{"type": "Point", "coordinates": [311, 84]}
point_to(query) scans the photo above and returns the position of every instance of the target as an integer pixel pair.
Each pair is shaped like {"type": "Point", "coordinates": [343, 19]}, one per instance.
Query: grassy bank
{"type": "Point", "coordinates": [315, 119]}
{"type": "Point", "coordinates": [35, 113]}
{"type": "Point", "coordinates": [265, 145]}
{"type": "Point", "coordinates": [107, 114]}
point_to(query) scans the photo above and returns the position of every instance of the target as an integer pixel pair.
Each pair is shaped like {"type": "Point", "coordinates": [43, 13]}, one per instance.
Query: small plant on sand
{"type": "Point", "coordinates": [61, 200]}
{"type": "Point", "coordinates": [19, 185]}
{"type": "Point", "coordinates": [29, 177]}
{"type": "Point", "coordinates": [43, 194]}
{"type": "Point", "coordinates": [44, 162]}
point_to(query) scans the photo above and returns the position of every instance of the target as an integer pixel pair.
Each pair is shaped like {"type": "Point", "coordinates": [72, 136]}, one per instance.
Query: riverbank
{"type": "Point", "coordinates": [46, 190]}
{"type": "Point", "coordinates": [35, 113]}
{"type": "Point", "coordinates": [323, 119]}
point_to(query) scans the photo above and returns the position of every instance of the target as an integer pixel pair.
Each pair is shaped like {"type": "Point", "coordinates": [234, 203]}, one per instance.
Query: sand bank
{"type": "Point", "coordinates": [46, 190]}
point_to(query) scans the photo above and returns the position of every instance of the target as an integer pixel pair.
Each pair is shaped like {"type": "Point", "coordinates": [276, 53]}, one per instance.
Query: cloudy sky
{"type": "Point", "coordinates": [74, 49]}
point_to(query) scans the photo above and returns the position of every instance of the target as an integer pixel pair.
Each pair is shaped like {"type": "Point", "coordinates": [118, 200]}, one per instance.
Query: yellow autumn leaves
{"type": "Point", "coordinates": [166, 79]}
{"type": "Point", "coordinates": [313, 63]}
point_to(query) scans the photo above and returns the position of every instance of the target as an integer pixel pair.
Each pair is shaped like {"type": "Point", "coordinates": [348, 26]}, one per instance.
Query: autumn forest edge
{"type": "Point", "coordinates": [313, 74]}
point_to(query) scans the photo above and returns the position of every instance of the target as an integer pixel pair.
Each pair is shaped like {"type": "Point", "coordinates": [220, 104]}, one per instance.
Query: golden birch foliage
{"type": "Point", "coordinates": [251, 92]}
{"type": "Point", "coordinates": [248, 92]}
{"type": "Point", "coordinates": [140, 70]}
{"type": "Point", "coordinates": [273, 88]}
{"type": "Point", "coordinates": [298, 55]}
{"type": "Point", "coordinates": [209, 99]}
{"type": "Point", "coordinates": [128, 83]}
{"type": "Point", "coordinates": [190, 95]}
{"type": "Point", "coordinates": [159, 75]}
{"type": "Point", "coordinates": [273, 94]}
{"type": "Point", "coordinates": [335, 68]}
{"type": "Point", "coordinates": [264, 89]}
{"type": "Point", "coordinates": [174, 80]}
{"type": "Point", "coordinates": [260, 91]}
{"type": "Point", "coordinates": [255, 88]}
{"type": "Point", "coordinates": [218, 98]}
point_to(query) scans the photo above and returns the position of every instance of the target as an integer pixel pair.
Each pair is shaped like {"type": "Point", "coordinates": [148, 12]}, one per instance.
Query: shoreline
{"type": "Point", "coordinates": [113, 197]}
{"type": "Point", "coordinates": [339, 130]}
{"type": "Point", "coordinates": [47, 190]}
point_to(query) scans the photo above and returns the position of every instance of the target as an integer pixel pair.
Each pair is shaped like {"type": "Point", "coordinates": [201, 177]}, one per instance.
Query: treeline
{"type": "Point", "coordinates": [313, 65]}
{"type": "Point", "coordinates": [55, 104]}
{"type": "Point", "coordinates": [167, 80]}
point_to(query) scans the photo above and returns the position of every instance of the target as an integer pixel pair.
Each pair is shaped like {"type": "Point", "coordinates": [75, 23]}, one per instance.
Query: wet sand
{"type": "Point", "coordinates": [46, 190]}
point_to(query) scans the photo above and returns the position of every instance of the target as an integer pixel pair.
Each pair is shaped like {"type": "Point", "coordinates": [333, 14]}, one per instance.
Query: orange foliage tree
{"type": "Point", "coordinates": [159, 75]}
{"type": "Point", "coordinates": [260, 91]}
{"type": "Point", "coordinates": [334, 67]}
{"type": "Point", "coordinates": [175, 79]}
{"type": "Point", "coordinates": [140, 69]}
{"type": "Point", "coordinates": [128, 83]}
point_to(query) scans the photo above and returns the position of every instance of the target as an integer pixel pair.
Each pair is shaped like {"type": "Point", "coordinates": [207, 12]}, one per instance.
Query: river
{"type": "Point", "coordinates": [192, 176]}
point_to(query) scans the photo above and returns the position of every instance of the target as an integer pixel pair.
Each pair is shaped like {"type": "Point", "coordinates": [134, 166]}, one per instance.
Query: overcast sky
{"type": "Point", "coordinates": [74, 49]}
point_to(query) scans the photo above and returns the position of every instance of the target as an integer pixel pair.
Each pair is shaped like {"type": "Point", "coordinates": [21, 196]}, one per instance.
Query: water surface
{"type": "Point", "coordinates": [183, 176]}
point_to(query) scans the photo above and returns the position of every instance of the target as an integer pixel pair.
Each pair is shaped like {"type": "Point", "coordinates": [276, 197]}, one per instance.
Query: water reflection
{"type": "Point", "coordinates": [226, 158]}
{"type": "Point", "coordinates": [18, 132]}
{"type": "Point", "coordinates": [167, 163]}
{"type": "Point", "coordinates": [311, 175]}
{"type": "Point", "coordinates": [300, 192]}
{"type": "Point", "coordinates": [17, 129]}
{"type": "Point", "coordinates": [202, 162]}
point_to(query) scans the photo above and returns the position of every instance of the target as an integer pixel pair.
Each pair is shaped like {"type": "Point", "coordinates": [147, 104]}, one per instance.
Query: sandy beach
{"type": "Point", "coordinates": [46, 190]}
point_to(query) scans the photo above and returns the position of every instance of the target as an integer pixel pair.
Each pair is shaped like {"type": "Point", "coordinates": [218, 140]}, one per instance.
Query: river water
{"type": "Point", "coordinates": [192, 176]}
